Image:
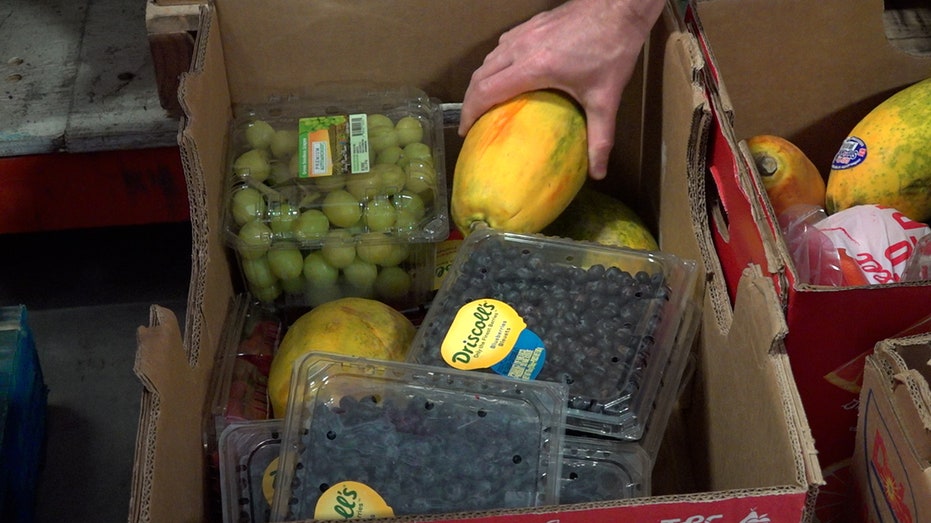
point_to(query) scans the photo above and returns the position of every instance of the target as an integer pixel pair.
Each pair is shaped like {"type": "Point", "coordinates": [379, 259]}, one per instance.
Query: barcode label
{"type": "Point", "coordinates": [357, 124]}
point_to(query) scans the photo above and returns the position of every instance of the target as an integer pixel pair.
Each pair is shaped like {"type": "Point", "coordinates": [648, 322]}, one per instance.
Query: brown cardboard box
{"type": "Point", "coordinates": [806, 71]}
{"type": "Point", "coordinates": [892, 456]}
{"type": "Point", "coordinates": [738, 449]}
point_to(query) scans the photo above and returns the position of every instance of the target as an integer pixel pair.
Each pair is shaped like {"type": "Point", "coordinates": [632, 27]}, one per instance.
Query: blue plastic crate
{"type": "Point", "coordinates": [23, 399]}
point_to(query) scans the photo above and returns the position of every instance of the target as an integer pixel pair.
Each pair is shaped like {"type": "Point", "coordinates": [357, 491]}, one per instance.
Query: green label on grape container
{"type": "Point", "coordinates": [351, 500]}
{"type": "Point", "coordinates": [332, 145]}
{"type": "Point", "coordinates": [490, 334]}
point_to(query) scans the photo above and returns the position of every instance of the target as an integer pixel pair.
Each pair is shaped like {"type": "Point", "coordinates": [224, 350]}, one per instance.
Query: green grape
{"type": "Point", "coordinates": [342, 208]}
{"type": "Point", "coordinates": [259, 134]}
{"type": "Point", "coordinates": [421, 177]}
{"type": "Point", "coordinates": [329, 183]}
{"type": "Point", "coordinates": [318, 272]}
{"type": "Point", "coordinates": [258, 272]}
{"type": "Point", "coordinates": [418, 152]}
{"type": "Point", "coordinates": [375, 247]}
{"type": "Point", "coordinates": [379, 214]}
{"type": "Point", "coordinates": [409, 130]}
{"type": "Point", "coordinates": [364, 185]}
{"type": "Point", "coordinates": [393, 177]}
{"type": "Point", "coordinates": [294, 165]}
{"type": "Point", "coordinates": [254, 164]}
{"type": "Point", "coordinates": [266, 294]}
{"type": "Point", "coordinates": [256, 238]}
{"type": "Point", "coordinates": [281, 219]}
{"type": "Point", "coordinates": [294, 285]}
{"type": "Point", "coordinates": [318, 295]}
{"type": "Point", "coordinates": [381, 138]}
{"type": "Point", "coordinates": [286, 263]}
{"type": "Point", "coordinates": [339, 250]}
{"type": "Point", "coordinates": [405, 221]}
{"type": "Point", "coordinates": [280, 173]}
{"type": "Point", "coordinates": [374, 121]}
{"type": "Point", "coordinates": [360, 277]}
{"type": "Point", "coordinates": [411, 203]}
{"type": "Point", "coordinates": [389, 155]}
{"type": "Point", "coordinates": [247, 204]}
{"type": "Point", "coordinates": [393, 283]}
{"type": "Point", "coordinates": [311, 225]}
{"type": "Point", "coordinates": [283, 143]}
{"type": "Point", "coordinates": [399, 252]}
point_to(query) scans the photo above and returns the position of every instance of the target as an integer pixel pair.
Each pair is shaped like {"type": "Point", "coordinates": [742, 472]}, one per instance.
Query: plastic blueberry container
{"type": "Point", "coordinates": [603, 469]}
{"type": "Point", "coordinates": [378, 438]}
{"type": "Point", "coordinates": [355, 178]}
{"type": "Point", "coordinates": [591, 316]}
{"type": "Point", "coordinates": [249, 453]}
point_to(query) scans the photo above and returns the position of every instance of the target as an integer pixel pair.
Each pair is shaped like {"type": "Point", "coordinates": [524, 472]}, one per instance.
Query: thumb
{"type": "Point", "coordinates": [600, 129]}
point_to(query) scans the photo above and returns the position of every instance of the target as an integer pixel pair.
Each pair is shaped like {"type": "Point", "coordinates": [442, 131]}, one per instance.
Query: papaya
{"type": "Point", "coordinates": [885, 159]}
{"type": "Point", "coordinates": [601, 218]}
{"type": "Point", "coordinates": [521, 164]}
{"type": "Point", "coordinates": [352, 326]}
{"type": "Point", "coordinates": [788, 174]}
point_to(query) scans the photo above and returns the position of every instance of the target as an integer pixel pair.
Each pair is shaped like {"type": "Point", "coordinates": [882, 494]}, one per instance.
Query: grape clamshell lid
{"type": "Point", "coordinates": [598, 316]}
{"type": "Point", "coordinates": [427, 440]}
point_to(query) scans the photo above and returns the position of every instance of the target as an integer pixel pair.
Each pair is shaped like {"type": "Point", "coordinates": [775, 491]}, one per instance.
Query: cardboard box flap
{"type": "Point", "coordinates": [906, 363]}
{"type": "Point", "coordinates": [202, 146]}
{"type": "Point", "coordinates": [169, 377]}
{"type": "Point", "coordinates": [752, 339]}
{"type": "Point", "coordinates": [372, 42]}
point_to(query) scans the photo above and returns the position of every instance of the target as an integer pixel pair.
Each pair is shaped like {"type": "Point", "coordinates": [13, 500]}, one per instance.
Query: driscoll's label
{"type": "Point", "coordinates": [490, 334]}
{"type": "Point", "coordinates": [351, 500]}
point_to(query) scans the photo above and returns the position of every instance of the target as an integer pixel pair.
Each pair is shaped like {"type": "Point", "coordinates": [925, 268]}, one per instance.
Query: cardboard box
{"type": "Point", "coordinates": [807, 71]}
{"type": "Point", "coordinates": [739, 448]}
{"type": "Point", "coordinates": [892, 457]}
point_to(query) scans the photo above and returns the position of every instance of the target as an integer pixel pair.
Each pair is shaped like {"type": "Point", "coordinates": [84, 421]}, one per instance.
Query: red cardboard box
{"type": "Point", "coordinates": [738, 446]}
{"type": "Point", "coordinates": [806, 71]}
{"type": "Point", "coordinates": [892, 456]}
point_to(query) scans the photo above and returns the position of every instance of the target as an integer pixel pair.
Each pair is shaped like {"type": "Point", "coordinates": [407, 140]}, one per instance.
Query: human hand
{"type": "Point", "coordinates": [586, 48]}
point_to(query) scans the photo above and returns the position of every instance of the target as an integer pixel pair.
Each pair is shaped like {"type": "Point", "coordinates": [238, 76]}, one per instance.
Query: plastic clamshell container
{"type": "Point", "coordinates": [603, 469]}
{"type": "Point", "coordinates": [249, 453]}
{"type": "Point", "coordinates": [251, 336]}
{"type": "Point", "coordinates": [353, 175]}
{"type": "Point", "coordinates": [589, 315]}
{"type": "Point", "coordinates": [23, 401]}
{"type": "Point", "coordinates": [417, 439]}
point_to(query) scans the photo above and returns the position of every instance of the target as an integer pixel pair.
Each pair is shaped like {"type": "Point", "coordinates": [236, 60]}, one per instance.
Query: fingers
{"type": "Point", "coordinates": [600, 128]}
{"type": "Point", "coordinates": [488, 89]}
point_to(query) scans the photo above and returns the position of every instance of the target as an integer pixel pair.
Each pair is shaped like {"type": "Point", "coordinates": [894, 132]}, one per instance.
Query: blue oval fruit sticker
{"type": "Point", "coordinates": [852, 153]}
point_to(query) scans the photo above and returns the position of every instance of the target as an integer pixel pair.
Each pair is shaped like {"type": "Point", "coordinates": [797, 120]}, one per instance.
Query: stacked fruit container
{"type": "Point", "coordinates": [538, 370]}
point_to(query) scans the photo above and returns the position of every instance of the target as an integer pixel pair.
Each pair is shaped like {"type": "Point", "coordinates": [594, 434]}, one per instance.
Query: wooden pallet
{"type": "Point", "coordinates": [171, 28]}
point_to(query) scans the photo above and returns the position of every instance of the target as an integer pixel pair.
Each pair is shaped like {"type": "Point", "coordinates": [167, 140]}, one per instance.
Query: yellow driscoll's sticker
{"type": "Point", "coordinates": [490, 334]}
{"type": "Point", "coordinates": [351, 500]}
{"type": "Point", "coordinates": [268, 480]}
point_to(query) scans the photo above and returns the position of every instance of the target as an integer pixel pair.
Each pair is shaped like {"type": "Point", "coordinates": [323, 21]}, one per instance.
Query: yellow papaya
{"type": "Point", "coordinates": [886, 159]}
{"type": "Point", "coordinates": [521, 164]}
{"type": "Point", "coordinates": [351, 326]}
{"type": "Point", "coordinates": [601, 218]}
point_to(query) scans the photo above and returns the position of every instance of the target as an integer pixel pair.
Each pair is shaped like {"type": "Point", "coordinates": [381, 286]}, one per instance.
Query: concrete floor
{"type": "Point", "coordinates": [86, 292]}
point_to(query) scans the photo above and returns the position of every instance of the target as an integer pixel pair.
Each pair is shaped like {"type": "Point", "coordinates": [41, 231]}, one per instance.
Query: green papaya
{"type": "Point", "coordinates": [598, 217]}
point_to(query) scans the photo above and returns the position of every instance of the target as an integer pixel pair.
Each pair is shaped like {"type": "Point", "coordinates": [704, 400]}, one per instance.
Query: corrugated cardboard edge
{"type": "Point", "coordinates": [183, 373]}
